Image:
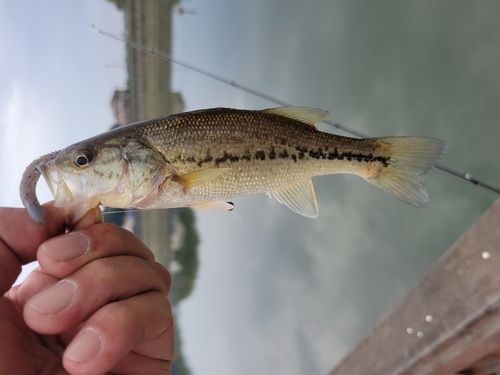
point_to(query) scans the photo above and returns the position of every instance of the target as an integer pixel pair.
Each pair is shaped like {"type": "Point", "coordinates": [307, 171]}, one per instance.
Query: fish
{"type": "Point", "coordinates": [205, 158]}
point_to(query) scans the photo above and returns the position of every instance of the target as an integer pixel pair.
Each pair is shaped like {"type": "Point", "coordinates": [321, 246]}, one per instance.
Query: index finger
{"type": "Point", "coordinates": [20, 238]}
{"type": "Point", "coordinates": [63, 255]}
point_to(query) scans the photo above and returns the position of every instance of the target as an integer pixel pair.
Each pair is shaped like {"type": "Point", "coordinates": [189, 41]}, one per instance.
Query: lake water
{"type": "Point", "coordinates": [278, 293]}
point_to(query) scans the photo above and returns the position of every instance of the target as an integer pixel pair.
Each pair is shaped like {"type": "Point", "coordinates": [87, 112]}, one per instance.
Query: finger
{"type": "Point", "coordinates": [75, 298]}
{"type": "Point", "coordinates": [20, 238]}
{"type": "Point", "coordinates": [36, 281]}
{"type": "Point", "coordinates": [86, 245]}
{"type": "Point", "coordinates": [94, 216]}
{"type": "Point", "coordinates": [63, 255]}
{"type": "Point", "coordinates": [138, 326]}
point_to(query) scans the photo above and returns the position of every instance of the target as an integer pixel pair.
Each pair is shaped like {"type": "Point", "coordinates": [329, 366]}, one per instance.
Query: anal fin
{"type": "Point", "coordinates": [299, 197]}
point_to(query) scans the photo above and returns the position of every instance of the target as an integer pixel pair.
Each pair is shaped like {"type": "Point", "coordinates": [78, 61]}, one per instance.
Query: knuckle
{"type": "Point", "coordinates": [109, 238]}
{"type": "Point", "coordinates": [121, 313]}
{"type": "Point", "coordinates": [104, 236]}
{"type": "Point", "coordinates": [165, 276]}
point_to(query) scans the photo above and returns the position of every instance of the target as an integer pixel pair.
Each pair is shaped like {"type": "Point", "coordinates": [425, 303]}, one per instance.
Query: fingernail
{"type": "Point", "coordinates": [54, 299]}
{"type": "Point", "coordinates": [66, 247]}
{"type": "Point", "coordinates": [84, 346]}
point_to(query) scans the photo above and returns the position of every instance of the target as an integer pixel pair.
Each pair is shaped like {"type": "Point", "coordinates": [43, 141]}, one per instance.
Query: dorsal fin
{"type": "Point", "coordinates": [310, 116]}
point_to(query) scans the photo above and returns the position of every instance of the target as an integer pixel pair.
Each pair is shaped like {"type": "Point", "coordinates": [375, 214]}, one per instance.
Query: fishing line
{"type": "Point", "coordinates": [237, 217]}
{"type": "Point", "coordinates": [462, 176]}
{"type": "Point", "coordinates": [120, 211]}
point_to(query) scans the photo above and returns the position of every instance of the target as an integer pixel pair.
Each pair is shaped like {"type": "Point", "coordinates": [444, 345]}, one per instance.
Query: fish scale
{"type": "Point", "coordinates": [203, 158]}
{"type": "Point", "coordinates": [249, 144]}
{"type": "Point", "coordinates": [245, 147]}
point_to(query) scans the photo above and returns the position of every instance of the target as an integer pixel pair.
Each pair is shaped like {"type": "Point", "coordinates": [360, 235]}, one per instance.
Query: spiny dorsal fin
{"type": "Point", "coordinates": [300, 198]}
{"type": "Point", "coordinates": [196, 178]}
{"type": "Point", "coordinates": [307, 115]}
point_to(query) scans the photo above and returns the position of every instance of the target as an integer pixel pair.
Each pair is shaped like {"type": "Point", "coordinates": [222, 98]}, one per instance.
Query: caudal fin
{"type": "Point", "coordinates": [410, 159]}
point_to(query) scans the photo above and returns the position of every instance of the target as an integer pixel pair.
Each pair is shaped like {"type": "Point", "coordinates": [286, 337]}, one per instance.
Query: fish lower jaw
{"type": "Point", "coordinates": [74, 211]}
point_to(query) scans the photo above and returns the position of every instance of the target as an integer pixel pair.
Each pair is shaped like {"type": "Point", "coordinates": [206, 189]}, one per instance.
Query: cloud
{"type": "Point", "coordinates": [285, 293]}
{"type": "Point", "coordinates": [24, 134]}
{"type": "Point", "coordinates": [270, 295]}
{"type": "Point", "coordinates": [3, 33]}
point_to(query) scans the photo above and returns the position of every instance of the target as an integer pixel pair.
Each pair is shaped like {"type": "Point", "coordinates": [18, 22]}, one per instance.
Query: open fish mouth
{"type": "Point", "coordinates": [66, 189]}
{"type": "Point", "coordinates": [54, 177]}
{"type": "Point", "coordinates": [63, 186]}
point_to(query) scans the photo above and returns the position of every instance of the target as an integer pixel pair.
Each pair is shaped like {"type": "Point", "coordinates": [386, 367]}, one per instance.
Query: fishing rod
{"type": "Point", "coordinates": [462, 176]}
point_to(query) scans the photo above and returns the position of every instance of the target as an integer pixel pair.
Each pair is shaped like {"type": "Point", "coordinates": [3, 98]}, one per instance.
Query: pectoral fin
{"type": "Point", "coordinates": [214, 206]}
{"type": "Point", "coordinates": [196, 178]}
{"type": "Point", "coordinates": [300, 198]}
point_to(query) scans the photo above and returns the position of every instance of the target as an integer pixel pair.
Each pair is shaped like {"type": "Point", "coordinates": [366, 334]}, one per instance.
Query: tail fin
{"type": "Point", "coordinates": [404, 176]}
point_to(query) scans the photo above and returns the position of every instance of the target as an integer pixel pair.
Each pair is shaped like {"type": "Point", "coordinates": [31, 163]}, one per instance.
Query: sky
{"type": "Point", "coordinates": [57, 77]}
{"type": "Point", "coordinates": [276, 292]}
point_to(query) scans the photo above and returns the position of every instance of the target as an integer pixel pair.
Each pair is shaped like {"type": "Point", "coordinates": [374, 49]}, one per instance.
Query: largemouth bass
{"type": "Point", "coordinates": [204, 158]}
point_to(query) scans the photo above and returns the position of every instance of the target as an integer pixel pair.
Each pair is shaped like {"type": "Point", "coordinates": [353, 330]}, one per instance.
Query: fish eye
{"type": "Point", "coordinates": [83, 158]}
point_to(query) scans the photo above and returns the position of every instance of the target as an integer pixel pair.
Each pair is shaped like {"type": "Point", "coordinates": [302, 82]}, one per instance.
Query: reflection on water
{"type": "Point", "coordinates": [284, 294]}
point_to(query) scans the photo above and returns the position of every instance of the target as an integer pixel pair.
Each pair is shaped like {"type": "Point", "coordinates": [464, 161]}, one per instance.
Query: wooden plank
{"type": "Point", "coordinates": [449, 321]}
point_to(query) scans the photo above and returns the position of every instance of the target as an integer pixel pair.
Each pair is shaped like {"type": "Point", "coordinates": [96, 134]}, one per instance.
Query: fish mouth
{"type": "Point", "coordinates": [54, 177]}
{"type": "Point", "coordinates": [65, 188]}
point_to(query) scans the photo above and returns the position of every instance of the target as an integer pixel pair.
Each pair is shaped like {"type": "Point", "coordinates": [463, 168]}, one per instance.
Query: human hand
{"type": "Point", "coordinates": [96, 304]}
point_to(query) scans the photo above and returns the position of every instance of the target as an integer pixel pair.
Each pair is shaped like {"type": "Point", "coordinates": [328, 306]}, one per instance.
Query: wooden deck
{"type": "Point", "coordinates": [450, 322]}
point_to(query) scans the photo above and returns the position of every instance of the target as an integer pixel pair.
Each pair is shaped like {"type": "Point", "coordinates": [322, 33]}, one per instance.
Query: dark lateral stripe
{"type": "Point", "coordinates": [272, 154]}
{"type": "Point", "coordinates": [227, 157]}
{"type": "Point", "coordinates": [300, 154]}
{"type": "Point", "coordinates": [284, 154]}
{"type": "Point", "coordinates": [349, 156]}
{"type": "Point", "coordinates": [260, 155]}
